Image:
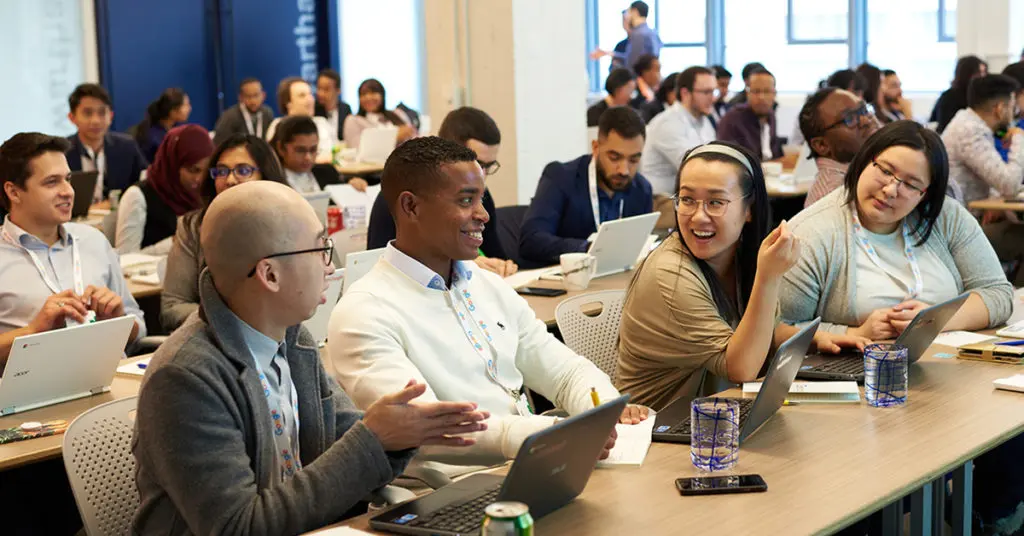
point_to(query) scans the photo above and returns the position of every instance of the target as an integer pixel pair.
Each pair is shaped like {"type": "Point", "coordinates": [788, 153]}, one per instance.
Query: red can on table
{"type": "Point", "coordinates": [335, 222]}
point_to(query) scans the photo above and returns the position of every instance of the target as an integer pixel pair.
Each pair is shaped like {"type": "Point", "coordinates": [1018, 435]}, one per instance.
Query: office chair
{"type": "Point", "coordinates": [594, 337]}
{"type": "Point", "coordinates": [101, 468]}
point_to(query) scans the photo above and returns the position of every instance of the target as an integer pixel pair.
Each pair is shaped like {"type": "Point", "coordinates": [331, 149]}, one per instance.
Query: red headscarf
{"type": "Point", "coordinates": [183, 146]}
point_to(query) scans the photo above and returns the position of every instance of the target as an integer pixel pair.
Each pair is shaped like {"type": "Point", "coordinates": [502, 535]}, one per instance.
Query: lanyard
{"type": "Point", "coordinates": [76, 263]}
{"type": "Point", "coordinates": [287, 447]}
{"type": "Point", "coordinates": [248, 122]}
{"type": "Point", "coordinates": [594, 203]}
{"type": "Point", "coordinates": [908, 251]}
{"type": "Point", "coordinates": [490, 357]}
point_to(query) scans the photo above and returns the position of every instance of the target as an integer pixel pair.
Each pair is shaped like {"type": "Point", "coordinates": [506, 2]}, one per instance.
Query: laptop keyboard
{"type": "Point", "coordinates": [461, 517]}
{"type": "Point", "coordinates": [842, 366]}
{"type": "Point", "coordinates": [683, 428]}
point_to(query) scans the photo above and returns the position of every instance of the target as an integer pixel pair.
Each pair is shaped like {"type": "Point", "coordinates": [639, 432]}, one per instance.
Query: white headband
{"type": "Point", "coordinates": [723, 150]}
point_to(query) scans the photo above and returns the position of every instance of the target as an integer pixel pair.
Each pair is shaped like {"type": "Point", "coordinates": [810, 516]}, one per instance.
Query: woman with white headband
{"type": "Point", "coordinates": [708, 296]}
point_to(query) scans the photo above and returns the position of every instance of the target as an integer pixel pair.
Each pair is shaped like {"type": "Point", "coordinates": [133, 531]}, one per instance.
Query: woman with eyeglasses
{"type": "Point", "coordinates": [149, 210]}
{"type": "Point", "coordinates": [708, 296]}
{"type": "Point", "coordinates": [240, 158]}
{"type": "Point", "coordinates": [888, 245]}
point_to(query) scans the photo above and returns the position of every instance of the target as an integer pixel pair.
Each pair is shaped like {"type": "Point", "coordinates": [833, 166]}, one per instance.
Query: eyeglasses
{"type": "Point", "coordinates": [327, 251]}
{"type": "Point", "coordinates": [490, 168]}
{"type": "Point", "coordinates": [705, 92]}
{"type": "Point", "coordinates": [687, 206]}
{"type": "Point", "coordinates": [241, 171]}
{"type": "Point", "coordinates": [888, 176]}
{"type": "Point", "coordinates": [851, 118]}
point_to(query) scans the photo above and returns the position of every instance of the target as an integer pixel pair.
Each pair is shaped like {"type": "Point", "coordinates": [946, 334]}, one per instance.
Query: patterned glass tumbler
{"type": "Point", "coordinates": [885, 375]}
{"type": "Point", "coordinates": [714, 433]}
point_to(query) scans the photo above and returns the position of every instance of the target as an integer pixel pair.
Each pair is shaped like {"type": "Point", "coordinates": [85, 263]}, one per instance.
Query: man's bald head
{"type": "Point", "coordinates": [247, 223]}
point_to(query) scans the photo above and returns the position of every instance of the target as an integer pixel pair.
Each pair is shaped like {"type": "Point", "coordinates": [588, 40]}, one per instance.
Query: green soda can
{"type": "Point", "coordinates": [507, 519]}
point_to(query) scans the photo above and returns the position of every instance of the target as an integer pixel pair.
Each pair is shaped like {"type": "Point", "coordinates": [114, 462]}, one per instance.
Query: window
{"type": "Point", "coordinates": [756, 30]}
{"type": "Point", "coordinates": [924, 63]}
{"type": "Point", "coordinates": [43, 63]}
{"type": "Point", "coordinates": [388, 51]}
{"type": "Point", "coordinates": [947, 20]}
{"type": "Point", "coordinates": [818, 21]}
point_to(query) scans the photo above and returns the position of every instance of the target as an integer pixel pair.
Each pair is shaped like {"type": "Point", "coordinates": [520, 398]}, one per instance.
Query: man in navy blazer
{"type": "Point", "coordinates": [94, 148]}
{"type": "Point", "coordinates": [562, 216]}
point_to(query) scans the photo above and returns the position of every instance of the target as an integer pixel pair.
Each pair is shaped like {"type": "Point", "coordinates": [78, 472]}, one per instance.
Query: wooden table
{"type": "Point", "coordinates": [997, 203]}
{"type": "Point", "coordinates": [33, 450]}
{"type": "Point", "coordinates": [545, 307]}
{"type": "Point", "coordinates": [143, 290]}
{"type": "Point", "coordinates": [359, 168]}
{"type": "Point", "coordinates": [786, 189]}
{"type": "Point", "coordinates": [826, 466]}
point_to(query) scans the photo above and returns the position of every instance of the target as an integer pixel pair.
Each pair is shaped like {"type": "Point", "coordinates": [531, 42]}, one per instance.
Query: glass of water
{"type": "Point", "coordinates": [885, 375]}
{"type": "Point", "coordinates": [714, 433]}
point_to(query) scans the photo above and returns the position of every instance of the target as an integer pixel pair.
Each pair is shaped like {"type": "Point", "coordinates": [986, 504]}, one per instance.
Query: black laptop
{"type": "Point", "coordinates": [672, 424]}
{"type": "Point", "coordinates": [84, 183]}
{"type": "Point", "coordinates": [551, 469]}
{"type": "Point", "coordinates": [849, 364]}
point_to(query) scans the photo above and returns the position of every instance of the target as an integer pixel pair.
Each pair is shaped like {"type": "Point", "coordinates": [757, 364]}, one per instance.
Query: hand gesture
{"type": "Point", "coordinates": [501, 267]}
{"type": "Point", "coordinates": [358, 183]}
{"type": "Point", "coordinates": [399, 423]}
{"type": "Point", "coordinates": [55, 309]}
{"type": "Point", "coordinates": [778, 253]}
{"type": "Point", "coordinates": [902, 314]}
{"type": "Point", "coordinates": [634, 414]}
{"type": "Point", "coordinates": [104, 301]}
{"type": "Point", "coordinates": [831, 343]}
{"type": "Point", "coordinates": [876, 327]}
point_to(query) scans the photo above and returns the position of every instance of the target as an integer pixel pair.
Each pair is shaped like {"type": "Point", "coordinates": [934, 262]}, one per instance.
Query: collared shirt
{"type": "Point", "coordinates": [669, 136]}
{"type": "Point", "coordinates": [974, 163]}
{"type": "Point", "coordinates": [831, 175]}
{"type": "Point", "coordinates": [270, 358]}
{"type": "Point", "coordinates": [642, 40]}
{"type": "Point", "coordinates": [610, 208]}
{"type": "Point", "coordinates": [304, 183]}
{"type": "Point", "coordinates": [23, 290]}
{"type": "Point", "coordinates": [95, 161]}
{"type": "Point", "coordinates": [419, 272]}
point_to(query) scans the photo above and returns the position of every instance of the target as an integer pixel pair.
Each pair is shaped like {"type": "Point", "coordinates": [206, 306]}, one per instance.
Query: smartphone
{"type": "Point", "coordinates": [537, 291]}
{"type": "Point", "coordinates": [711, 485]}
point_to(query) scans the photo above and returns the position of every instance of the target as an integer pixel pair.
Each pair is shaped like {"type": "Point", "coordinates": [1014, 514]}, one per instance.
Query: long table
{"type": "Point", "coordinates": [827, 466]}
{"type": "Point", "coordinates": [997, 204]}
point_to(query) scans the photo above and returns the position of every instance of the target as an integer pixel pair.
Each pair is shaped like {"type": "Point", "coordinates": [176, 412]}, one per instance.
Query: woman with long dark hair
{"type": "Point", "coordinates": [954, 99]}
{"type": "Point", "coordinates": [170, 109]}
{"type": "Point", "coordinates": [373, 112]}
{"type": "Point", "coordinates": [707, 297]}
{"type": "Point", "coordinates": [240, 158]}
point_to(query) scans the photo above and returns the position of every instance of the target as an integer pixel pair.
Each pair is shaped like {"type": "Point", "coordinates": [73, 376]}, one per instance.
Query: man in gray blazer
{"type": "Point", "coordinates": [239, 428]}
{"type": "Point", "coordinates": [249, 116]}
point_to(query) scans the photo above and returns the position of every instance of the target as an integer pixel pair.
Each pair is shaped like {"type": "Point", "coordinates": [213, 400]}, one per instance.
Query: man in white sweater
{"type": "Point", "coordinates": [425, 311]}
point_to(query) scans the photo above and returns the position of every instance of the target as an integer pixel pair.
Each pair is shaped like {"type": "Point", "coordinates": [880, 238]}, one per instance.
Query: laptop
{"type": "Point", "coordinates": [84, 184]}
{"type": "Point", "coordinates": [848, 365]}
{"type": "Point", "coordinates": [359, 264]}
{"type": "Point", "coordinates": [551, 469]}
{"type": "Point", "coordinates": [672, 424]}
{"type": "Point", "coordinates": [618, 245]}
{"type": "Point", "coordinates": [63, 364]}
{"type": "Point", "coordinates": [319, 201]}
{"type": "Point", "coordinates": [376, 144]}
{"type": "Point", "coordinates": [317, 324]}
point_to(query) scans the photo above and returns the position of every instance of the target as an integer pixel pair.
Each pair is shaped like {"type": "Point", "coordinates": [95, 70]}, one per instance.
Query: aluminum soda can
{"type": "Point", "coordinates": [334, 220]}
{"type": "Point", "coordinates": [507, 519]}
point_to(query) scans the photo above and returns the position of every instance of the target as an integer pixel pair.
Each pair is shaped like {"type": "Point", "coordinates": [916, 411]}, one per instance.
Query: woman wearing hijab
{"type": "Point", "coordinates": [149, 210]}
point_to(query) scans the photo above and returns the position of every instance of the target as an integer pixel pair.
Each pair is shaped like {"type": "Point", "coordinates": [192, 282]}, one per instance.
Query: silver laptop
{"type": "Point", "coordinates": [63, 364]}
{"type": "Point", "coordinates": [376, 144]}
{"type": "Point", "coordinates": [319, 202]}
{"type": "Point", "coordinates": [317, 324]}
{"type": "Point", "coordinates": [359, 264]}
{"type": "Point", "coordinates": [618, 245]}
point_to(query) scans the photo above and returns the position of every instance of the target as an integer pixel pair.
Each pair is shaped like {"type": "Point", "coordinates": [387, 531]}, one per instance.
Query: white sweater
{"type": "Point", "coordinates": [390, 328]}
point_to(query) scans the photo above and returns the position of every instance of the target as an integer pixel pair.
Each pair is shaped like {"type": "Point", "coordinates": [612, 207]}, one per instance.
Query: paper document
{"type": "Point", "coordinates": [815, 392]}
{"type": "Point", "coordinates": [1013, 383]}
{"type": "Point", "coordinates": [148, 278]}
{"type": "Point", "coordinates": [134, 260]}
{"type": "Point", "coordinates": [519, 279]}
{"type": "Point", "coordinates": [355, 205]}
{"type": "Point", "coordinates": [632, 444]}
{"type": "Point", "coordinates": [337, 531]}
{"type": "Point", "coordinates": [956, 339]}
{"type": "Point", "coordinates": [137, 368]}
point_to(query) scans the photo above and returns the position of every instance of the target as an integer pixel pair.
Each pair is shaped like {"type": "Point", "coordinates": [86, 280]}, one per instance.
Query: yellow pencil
{"type": "Point", "coordinates": [594, 397]}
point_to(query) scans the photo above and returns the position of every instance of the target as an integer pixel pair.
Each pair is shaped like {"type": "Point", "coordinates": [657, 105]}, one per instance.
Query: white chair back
{"type": "Point", "coordinates": [593, 337]}
{"type": "Point", "coordinates": [317, 324]}
{"type": "Point", "coordinates": [100, 466]}
{"type": "Point", "coordinates": [348, 241]}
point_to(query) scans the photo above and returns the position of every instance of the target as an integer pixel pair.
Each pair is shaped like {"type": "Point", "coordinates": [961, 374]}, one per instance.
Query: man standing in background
{"type": "Point", "coordinates": [642, 38]}
{"type": "Point", "coordinates": [249, 116]}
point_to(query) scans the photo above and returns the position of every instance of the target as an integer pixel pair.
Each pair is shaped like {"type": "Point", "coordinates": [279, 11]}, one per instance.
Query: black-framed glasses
{"type": "Point", "coordinates": [490, 168]}
{"type": "Point", "coordinates": [851, 118]}
{"type": "Point", "coordinates": [241, 171]}
{"type": "Point", "coordinates": [888, 176]}
{"type": "Point", "coordinates": [327, 251]}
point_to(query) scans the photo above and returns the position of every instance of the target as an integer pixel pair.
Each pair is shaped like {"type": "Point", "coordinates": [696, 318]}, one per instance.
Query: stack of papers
{"type": "Point", "coordinates": [135, 368]}
{"type": "Point", "coordinates": [141, 268]}
{"type": "Point", "coordinates": [519, 279]}
{"type": "Point", "coordinates": [956, 339]}
{"type": "Point", "coordinates": [632, 445]}
{"type": "Point", "coordinates": [1013, 383]}
{"type": "Point", "coordinates": [816, 392]}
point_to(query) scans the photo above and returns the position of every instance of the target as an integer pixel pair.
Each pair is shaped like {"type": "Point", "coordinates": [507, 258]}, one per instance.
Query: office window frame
{"type": "Point", "coordinates": [943, 36]}
{"type": "Point", "coordinates": [796, 41]}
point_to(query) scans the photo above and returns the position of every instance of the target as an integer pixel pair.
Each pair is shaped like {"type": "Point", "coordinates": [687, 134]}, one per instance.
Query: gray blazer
{"type": "Point", "coordinates": [823, 281]}
{"type": "Point", "coordinates": [180, 297]}
{"type": "Point", "coordinates": [233, 122]}
{"type": "Point", "coordinates": [203, 440]}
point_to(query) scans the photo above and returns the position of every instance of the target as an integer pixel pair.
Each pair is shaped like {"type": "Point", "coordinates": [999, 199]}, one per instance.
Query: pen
{"type": "Point", "coordinates": [141, 365]}
{"type": "Point", "coordinates": [594, 397]}
{"type": "Point", "coordinates": [788, 402]}
{"type": "Point", "coordinates": [1012, 343]}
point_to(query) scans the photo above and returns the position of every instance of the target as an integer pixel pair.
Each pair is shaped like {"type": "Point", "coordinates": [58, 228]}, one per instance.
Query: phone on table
{"type": "Point", "coordinates": [712, 485]}
{"type": "Point", "coordinates": [537, 291]}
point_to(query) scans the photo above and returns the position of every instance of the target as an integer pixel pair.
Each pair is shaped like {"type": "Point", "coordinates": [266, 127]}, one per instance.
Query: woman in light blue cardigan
{"type": "Point", "coordinates": [888, 245]}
